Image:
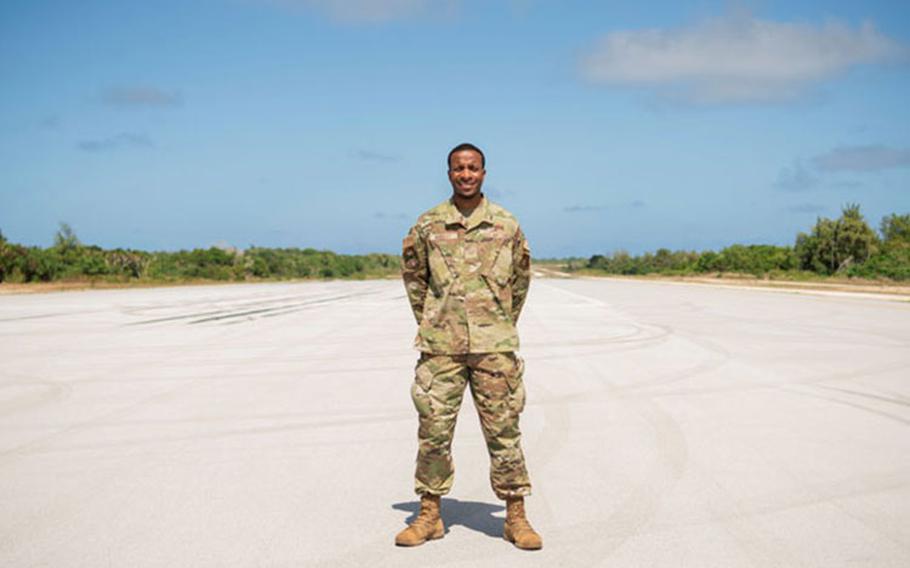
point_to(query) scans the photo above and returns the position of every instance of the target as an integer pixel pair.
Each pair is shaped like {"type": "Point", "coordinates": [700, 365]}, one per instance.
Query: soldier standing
{"type": "Point", "coordinates": [466, 268]}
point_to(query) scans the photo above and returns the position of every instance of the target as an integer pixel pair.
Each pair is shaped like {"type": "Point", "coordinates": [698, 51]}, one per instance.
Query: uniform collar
{"type": "Point", "coordinates": [479, 215]}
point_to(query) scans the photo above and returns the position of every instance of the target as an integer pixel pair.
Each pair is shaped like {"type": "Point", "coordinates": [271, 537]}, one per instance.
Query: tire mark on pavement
{"type": "Point", "coordinates": [895, 399]}
{"type": "Point", "coordinates": [640, 506]}
{"type": "Point", "coordinates": [38, 393]}
{"type": "Point", "coordinates": [220, 434]}
{"type": "Point", "coordinates": [52, 315]}
{"type": "Point", "coordinates": [365, 554]}
{"type": "Point", "coordinates": [863, 407]}
{"type": "Point", "coordinates": [869, 371]}
{"type": "Point", "coordinates": [23, 449]}
{"type": "Point", "coordinates": [216, 315]}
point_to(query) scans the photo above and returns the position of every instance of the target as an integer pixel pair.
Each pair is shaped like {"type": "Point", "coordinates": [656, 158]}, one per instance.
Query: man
{"type": "Point", "coordinates": [466, 268]}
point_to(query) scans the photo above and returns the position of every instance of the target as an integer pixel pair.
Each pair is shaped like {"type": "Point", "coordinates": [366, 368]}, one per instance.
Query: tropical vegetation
{"type": "Point", "coordinates": [846, 246]}
{"type": "Point", "coordinates": [69, 259]}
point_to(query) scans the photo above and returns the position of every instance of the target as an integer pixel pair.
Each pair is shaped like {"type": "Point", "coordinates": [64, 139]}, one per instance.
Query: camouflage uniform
{"type": "Point", "coordinates": [467, 279]}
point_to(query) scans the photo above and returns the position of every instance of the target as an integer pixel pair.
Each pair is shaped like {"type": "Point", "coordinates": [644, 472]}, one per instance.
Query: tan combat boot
{"type": "Point", "coordinates": [517, 529]}
{"type": "Point", "coordinates": [427, 526]}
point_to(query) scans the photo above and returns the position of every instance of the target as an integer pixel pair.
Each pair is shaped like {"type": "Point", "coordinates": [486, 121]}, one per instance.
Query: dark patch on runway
{"type": "Point", "coordinates": [221, 315]}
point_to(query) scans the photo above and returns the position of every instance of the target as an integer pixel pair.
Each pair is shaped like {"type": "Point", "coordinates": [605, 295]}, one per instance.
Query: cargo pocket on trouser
{"type": "Point", "coordinates": [420, 390]}
{"type": "Point", "coordinates": [508, 472]}
{"type": "Point", "coordinates": [516, 384]}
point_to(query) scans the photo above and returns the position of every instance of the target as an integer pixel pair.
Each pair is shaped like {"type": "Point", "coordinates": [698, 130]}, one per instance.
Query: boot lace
{"type": "Point", "coordinates": [425, 520]}
{"type": "Point", "coordinates": [517, 519]}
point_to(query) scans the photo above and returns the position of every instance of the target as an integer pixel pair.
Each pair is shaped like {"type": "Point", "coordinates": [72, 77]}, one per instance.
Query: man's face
{"type": "Point", "coordinates": [466, 173]}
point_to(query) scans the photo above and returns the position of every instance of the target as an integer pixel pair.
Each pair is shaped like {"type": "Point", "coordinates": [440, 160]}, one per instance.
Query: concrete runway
{"type": "Point", "coordinates": [270, 425]}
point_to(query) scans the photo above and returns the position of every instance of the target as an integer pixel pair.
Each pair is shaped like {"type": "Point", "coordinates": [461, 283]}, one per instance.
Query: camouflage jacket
{"type": "Point", "coordinates": [466, 278]}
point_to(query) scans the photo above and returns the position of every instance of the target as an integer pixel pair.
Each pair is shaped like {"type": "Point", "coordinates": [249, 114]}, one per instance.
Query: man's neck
{"type": "Point", "coordinates": [467, 205]}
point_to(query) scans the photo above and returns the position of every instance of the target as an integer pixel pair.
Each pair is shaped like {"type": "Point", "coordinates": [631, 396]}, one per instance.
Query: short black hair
{"type": "Point", "coordinates": [466, 146]}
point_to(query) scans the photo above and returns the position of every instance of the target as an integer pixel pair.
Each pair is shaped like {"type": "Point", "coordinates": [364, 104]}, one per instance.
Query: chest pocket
{"type": "Point", "coordinates": [442, 254]}
{"type": "Point", "coordinates": [501, 268]}
{"type": "Point", "coordinates": [497, 273]}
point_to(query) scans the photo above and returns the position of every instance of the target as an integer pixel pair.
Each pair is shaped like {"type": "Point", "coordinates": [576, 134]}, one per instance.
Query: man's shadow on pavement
{"type": "Point", "coordinates": [469, 514]}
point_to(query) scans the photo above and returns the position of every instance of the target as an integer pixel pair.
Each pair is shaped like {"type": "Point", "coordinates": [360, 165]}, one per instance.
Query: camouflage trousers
{"type": "Point", "coordinates": [499, 397]}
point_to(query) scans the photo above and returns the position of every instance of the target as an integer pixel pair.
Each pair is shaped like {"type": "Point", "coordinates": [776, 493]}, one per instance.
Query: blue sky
{"type": "Point", "coordinates": [322, 123]}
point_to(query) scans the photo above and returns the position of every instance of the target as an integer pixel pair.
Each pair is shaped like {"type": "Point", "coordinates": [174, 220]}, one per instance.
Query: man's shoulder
{"type": "Point", "coordinates": [500, 213]}
{"type": "Point", "coordinates": [433, 215]}
{"type": "Point", "coordinates": [503, 219]}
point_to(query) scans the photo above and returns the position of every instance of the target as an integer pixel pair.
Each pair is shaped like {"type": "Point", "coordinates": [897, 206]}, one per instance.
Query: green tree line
{"type": "Point", "coordinates": [846, 246]}
{"type": "Point", "coordinates": [69, 259]}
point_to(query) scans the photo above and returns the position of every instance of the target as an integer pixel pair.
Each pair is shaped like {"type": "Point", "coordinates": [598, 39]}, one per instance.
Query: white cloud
{"type": "Point", "coordinates": [583, 208]}
{"type": "Point", "coordinates": [587, 208]}
{"type": "Point", "coordinates": [814, 208]}
{"type": "Point", "coordinates": [374, 11]}
{"type": "Point", "coordinates": [796, 178]}
{"type": "Point", "coordinates": [371, 156]}
{"type": "Point", "coordinates": [736, 59]}
{"type": "Point", "coordinates": [140, 96]}
{"type": "Point", "coordinates": [863, 159]}
{"type": "Point", "coordinates": [122, 140]}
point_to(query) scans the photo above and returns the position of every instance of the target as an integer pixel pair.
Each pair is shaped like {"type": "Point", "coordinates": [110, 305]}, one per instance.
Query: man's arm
{"type": "Point", "coordinates": [414, 271]}
{"type": "Point", "coordinates": [521, 273]}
